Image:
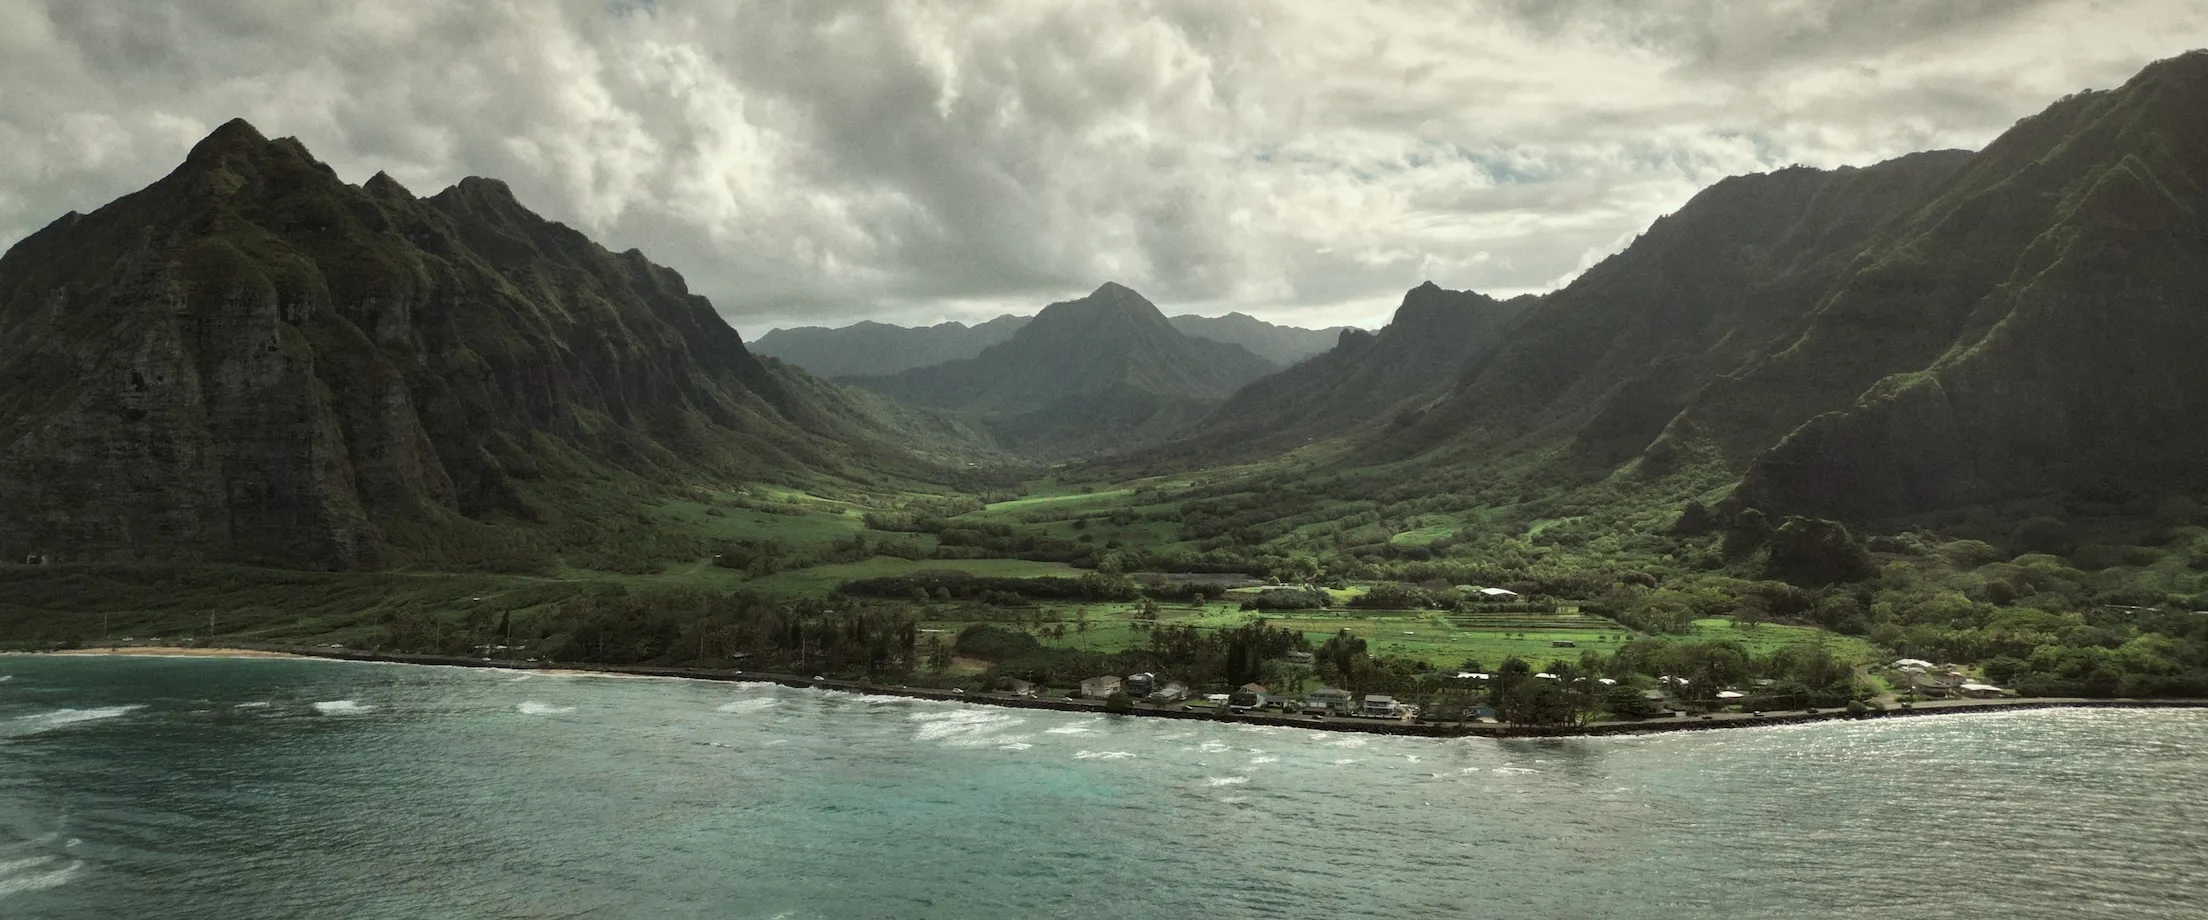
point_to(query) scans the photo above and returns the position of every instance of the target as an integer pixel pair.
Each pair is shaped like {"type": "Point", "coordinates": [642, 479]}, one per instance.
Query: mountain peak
{"type": "Point", "coordinates": [382, 185]}
{"type": "Point", "coordinates": [234, 137]}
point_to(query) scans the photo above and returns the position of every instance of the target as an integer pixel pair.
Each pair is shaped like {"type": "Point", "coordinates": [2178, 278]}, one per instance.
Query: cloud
{"type": "Point", "coordinates": [819, 161]}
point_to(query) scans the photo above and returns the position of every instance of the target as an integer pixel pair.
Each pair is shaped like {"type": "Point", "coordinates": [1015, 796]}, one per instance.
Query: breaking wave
{"type": "Point", "coordinates": [534, 708]}
{"type": "Point", "coordinates": [751, 705]}
{"type": "Point", "coordinates": [341, 707]}
{"type": "Point", "coordinates": [33, 874]}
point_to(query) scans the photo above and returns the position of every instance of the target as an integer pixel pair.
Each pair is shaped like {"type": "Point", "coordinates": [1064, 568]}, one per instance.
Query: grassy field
{"type": "Point", "coordinates": [821, 579]}
{"type": "Point", "coordinates": [1765, 638]}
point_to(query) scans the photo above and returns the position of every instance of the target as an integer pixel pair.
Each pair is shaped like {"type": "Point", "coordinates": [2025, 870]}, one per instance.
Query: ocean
{"type": "Point", "coordinates": [229, 788]}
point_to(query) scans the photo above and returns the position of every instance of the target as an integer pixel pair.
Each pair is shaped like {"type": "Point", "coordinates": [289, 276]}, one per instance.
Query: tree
{"type": "Point", "coordinates": [1119, 702]}
{"type": "Point", "coordinates": [1818, 551]}
{"type": "Point", "coordinates": [939, 655]}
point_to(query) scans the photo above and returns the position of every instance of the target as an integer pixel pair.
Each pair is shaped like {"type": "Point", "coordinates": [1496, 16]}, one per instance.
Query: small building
{"type": "Point", "coordinates": [1299, 657]}
{"type": "Point", "coordinates": [1473, 675]}
{"type": "Point", "coordinates": [1329, 700]}
{"type": "Point", "coordinates": [1141, 685]}
{"type": "Point", "coordinates": [1978, 691]}
{"type": "Point", "coordinates": [1563, 643]}
{"type": "Point", "coordinates": [1173, 692]}
{"type": "Point", "coordinates": [1730, 695]}
{"type": "Point", "coordinates": [1379, 706]}
{"type": "Point", "coordinates": [1097, 688]}
{"type": "Point", "coordinates": [1498, 594]}
{"type": "Point", "coordinates": [1932, 688]}
{"type": "Point", "coordinates": [1018, 687]}
{"type": "Point", "coordinates": [1246, 699]}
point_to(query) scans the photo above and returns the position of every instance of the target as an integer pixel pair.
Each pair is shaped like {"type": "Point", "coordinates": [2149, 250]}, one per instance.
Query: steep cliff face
{"type": "Point", "coordinates": [1943, 329]}
{"type": "Point", "coordinates": [1368, 380]}
{"type": "Point", "coordinates": [2072, 260]}
{"type": "Point", "coordinates": [253, 360]}
{"type": "Point", "coordinates": [1603, 365]}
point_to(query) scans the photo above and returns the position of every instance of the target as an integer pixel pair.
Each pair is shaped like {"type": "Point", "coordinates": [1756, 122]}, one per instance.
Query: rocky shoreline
{"type": "Point", "coordinates": [1328, 723]}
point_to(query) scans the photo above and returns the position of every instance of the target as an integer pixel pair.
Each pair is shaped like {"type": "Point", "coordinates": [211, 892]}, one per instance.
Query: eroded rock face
{"type": "Point", "coordinates": [251, 360]}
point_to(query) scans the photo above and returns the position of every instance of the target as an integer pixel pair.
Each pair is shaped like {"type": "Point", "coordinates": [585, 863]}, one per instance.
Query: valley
{"type": "Point", "coordinates": [1811, 425]}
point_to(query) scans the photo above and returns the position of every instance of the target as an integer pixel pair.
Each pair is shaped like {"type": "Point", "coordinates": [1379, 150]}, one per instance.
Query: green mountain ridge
{"type": "Point", "coordinates": [251, 360]}
{"type": "Point", "coordinates": [1107, 371]}
{"type": "Point", "coordinates": [871, 348]}
{"type": "Point", "coordinates": [1369, 379]}
{"type": "Point", "coordinates": [868, 348]}
{"type": "Point", "coordinates": [1940, 330]}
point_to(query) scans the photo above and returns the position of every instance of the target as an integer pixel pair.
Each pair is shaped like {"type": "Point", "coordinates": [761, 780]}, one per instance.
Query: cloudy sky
{"type": "Point", "coordinates": [820, 161]}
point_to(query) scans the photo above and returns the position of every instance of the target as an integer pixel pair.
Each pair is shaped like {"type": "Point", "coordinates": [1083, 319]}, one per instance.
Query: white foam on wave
{"type": "Point", "coordinates": [4, 678]}
{"type": "Point", "coordinates": [1413, 758]}
{"type": "Point", "coordinates": [1102, 755]}
{"type": "Point", "coordinates": [21, 875]}
{"type": "Point", "coordinates": [1226, 780]}
{"type": "Point", "coordinates": [256, 704]}
{"type": "Point", "coordinates": [1080, 729]}
{"type": "Point", "coordinates": [341, 707]}
{"type": "Point", "coordinates": [534, 708]}
{"type": "Point", "coordinates": [1516, 770]}
{"type": "Point", "coordinates": [1349, 742]}
{"type": "Point", "coordinates": [518, 678]}
{"type": "Point", "coordinates": [1015, 745]}
{"type": "Point", "coordinates": [748, 706]}
{"type": "Point", "coordinates": [1233, 799]}
{"type": "Point", "coordinates": [50, 720]}
{"type": "Point", "coordinates": [1212, 747]}
{"type": "Point", "coordinates": [1267, 758]}
{"type": "Point", "coordinates": [1346, 761]}
{"type": "Point", "coordinates": [971, 727]}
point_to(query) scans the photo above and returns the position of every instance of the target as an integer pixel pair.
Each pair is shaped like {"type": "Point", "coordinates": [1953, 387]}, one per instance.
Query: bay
{"type": "Point", "coordinates": [288, 788]}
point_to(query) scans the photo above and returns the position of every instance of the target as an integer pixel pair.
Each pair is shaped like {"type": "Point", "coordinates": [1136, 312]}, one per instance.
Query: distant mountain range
{"type": "Point", "coordinates": [875, 349]}
{"type": "Point", "coordinates": [1105, 372]}
{"type": "Point", "coordinates": [252, 360]}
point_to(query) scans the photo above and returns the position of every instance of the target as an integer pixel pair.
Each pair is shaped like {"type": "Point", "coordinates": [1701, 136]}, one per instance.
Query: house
{"type": "Point", "coordinates": [1330, 700]}
{"type": "Point", "coordinates": [1379, 706]}
{"type": "Point", "coordinates": [1018, 687]}
{"type": "Point", "coordinates": [1978, 691]}
{"type": "Point", "coordinates": [1473, 675]}
{"type": "Point", "coordinates": [1172, 692]}
{"type": "Point", "coordinates": [1730, 694]}
{"type": "Point", "coordinates": [1141, 685]}
{"type": "Point", "coordinates": [1251, 696]}
{"type": "Point", "coordinates": [1299, 657]}
{"type": "Point", "coordinates": [1932, 688]}
{"type": "Point", "coordinates": [1498, 594]}
{"type": "Point", "coordinates": [1097, 688]}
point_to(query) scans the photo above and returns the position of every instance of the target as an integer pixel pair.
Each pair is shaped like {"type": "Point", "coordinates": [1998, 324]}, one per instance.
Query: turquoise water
{"type": "Point", "coordinates": [284, 788]}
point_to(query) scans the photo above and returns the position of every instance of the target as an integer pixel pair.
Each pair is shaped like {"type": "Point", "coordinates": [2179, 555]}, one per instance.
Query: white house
{"type": "Point", "coordinates": [1097, 688]}
{"type": "Point", "coordinates": [1330, 699]}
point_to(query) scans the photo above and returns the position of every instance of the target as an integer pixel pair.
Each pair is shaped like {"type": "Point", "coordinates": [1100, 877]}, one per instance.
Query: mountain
{"type": "Point", "coordinates": [871, 348]}
{"type": "Point", "coordinates": [1942, 330]}
{"type": "Point", "coordinates": [1367, 380]}
{"type": "Point", "coordinates": [1282, 345]}
{"type": "Point", "coordinates": [251, 360]}
{"type": "Point", "coordinates": [1105, 372]}
{"type": "Point", "coordinates": [876, 349]}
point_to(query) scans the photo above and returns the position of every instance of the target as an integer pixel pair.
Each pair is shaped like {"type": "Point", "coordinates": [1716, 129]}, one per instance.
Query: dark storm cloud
{"type": "Point", "coordinates": [811, 161]}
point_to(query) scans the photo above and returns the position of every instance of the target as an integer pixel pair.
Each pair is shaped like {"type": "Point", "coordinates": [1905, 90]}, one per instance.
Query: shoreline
{"type": "Point", "coordinates": [1711, 722]}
